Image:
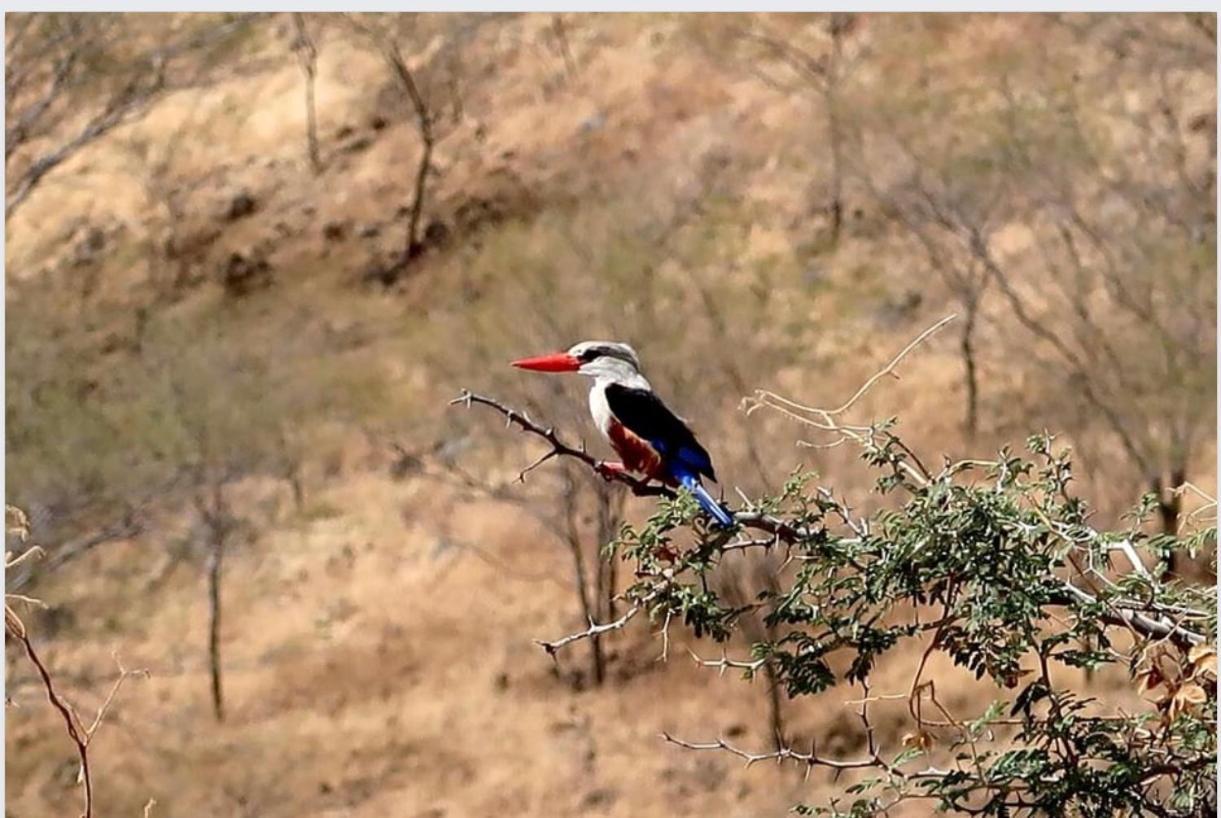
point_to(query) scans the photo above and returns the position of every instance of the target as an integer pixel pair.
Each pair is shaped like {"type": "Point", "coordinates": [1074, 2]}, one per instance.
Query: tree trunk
{"type": "Point", "coordinates": [414, 246]}
{"type": "Point", "coordinates": [597, 657]}
{"type": "Point", "coordinates": [774, 712]}
{"type": "Point", "coordinates": [737, 590]}
{"type": "Point", "coordinates": [307, 52]}
{"type": "Point", "coordinates": [215, 556]}
{"type": "Point", "coordinates": [970, 373]}
{"type": "Point", "coordinates": [298, 487]}
{"type": "Point", "coordinates": [311, 115]}
{"type": "Point", "coordinates": [424, 121]}
{"type": "Point", "coordinates": [834, 135]}
{"type": "Point", "coordinates": [610, 516]}
{"type": "Point", "coordinates": [216, 520]}
{"type": "Point", "coordinates": [311, 119]}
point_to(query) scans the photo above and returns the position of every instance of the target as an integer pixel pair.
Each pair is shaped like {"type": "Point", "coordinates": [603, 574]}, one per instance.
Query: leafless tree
{"type": "Point", "coordinates": [71, 78]}
{"type": "Point", "coordinates": [594, 577]}
{"type": "Point", "coordinates": [423, 54]}
{"type": "Point", "coordinates": [425, 119]}
{"type": "Point", "coordinates": [559, 30]}
{"type": "Point", "coordinates": [177, 245]}
{"type": "Point", "coordinates": [928, 202]}
{"type": "Point", "coordinates": [218, 521]}
{"type": "Point", "coordinates": [215, 436]}
{"type": "Point", "coordinates": [739, 584]}
{"type": "Point", "coordinates": [587, 512]}
{"type": "Point", "coordinates": [808, 53]}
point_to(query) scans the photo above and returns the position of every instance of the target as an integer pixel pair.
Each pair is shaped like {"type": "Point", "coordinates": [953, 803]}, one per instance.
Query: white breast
{"type": "Point", "coordinates": [600, 409]}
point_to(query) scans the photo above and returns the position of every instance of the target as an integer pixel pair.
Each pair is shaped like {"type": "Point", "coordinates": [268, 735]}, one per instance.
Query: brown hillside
{"type": "Point", "coordinates": [662, 179]}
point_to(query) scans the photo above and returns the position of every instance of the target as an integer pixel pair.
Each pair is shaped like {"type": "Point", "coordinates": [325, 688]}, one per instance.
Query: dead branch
{"type": "Point", "coordinates": [80, 735]}
{"type": "Point", "coordinates": [130, 526]}
{"type": "Point", "coordinates": [16, 630]}
{"type": "Point", "coordinates": [147, 81]}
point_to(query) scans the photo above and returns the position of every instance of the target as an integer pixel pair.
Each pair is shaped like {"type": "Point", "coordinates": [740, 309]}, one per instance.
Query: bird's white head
{"type": "Point", "coordinates": [597, 359]}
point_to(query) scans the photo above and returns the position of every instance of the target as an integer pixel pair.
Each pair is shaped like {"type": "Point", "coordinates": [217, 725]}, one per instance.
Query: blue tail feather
{"type": "Point", "coordinates": [705, 499]}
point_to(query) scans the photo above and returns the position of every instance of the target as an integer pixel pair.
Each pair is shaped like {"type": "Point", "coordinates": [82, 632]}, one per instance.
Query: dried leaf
{"type": "Point", "coordinates": [1014, 678]}
{"type": "Point", "coordinates": [1202, 655]}
{"type": "Point", "coordinates": [13, 624]}
{"type": "Point", "coordinates": [15, 522]}
{"type": "Point", "coordinates": [1148, 679]}
{"type": "Point", "coordinates": [921, 740]}
{"type": "Point", "coordinates": [1191, 693]}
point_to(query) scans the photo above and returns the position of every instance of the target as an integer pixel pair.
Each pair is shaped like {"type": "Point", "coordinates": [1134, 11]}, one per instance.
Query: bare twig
{"type": "Point", "coordinates": [16, 630]}
{"type": "Point", "coordinates": [826, 415]}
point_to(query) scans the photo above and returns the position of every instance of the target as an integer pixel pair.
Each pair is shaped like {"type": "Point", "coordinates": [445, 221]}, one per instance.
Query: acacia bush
{"type": "Point", "coordinates": [993, 563]}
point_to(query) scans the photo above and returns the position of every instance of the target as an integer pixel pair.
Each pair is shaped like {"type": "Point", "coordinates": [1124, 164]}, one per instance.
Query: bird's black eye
{"type": "Point", "coordinates": [588, 355]}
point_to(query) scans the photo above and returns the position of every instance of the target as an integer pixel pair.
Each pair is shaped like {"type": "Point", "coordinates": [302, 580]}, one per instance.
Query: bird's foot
{"type": "Point", "coordinates": [609, 470]}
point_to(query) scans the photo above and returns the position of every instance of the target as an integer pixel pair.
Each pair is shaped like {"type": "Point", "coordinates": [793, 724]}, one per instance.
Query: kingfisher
{"type": "Point", "coordinates": [650, 439]}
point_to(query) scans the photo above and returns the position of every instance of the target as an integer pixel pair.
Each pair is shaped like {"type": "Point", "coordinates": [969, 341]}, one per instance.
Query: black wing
{"type": "Point", "coordinates": [641, 411]}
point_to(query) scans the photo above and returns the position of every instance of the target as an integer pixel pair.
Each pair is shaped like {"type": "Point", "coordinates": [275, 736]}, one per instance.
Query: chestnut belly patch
{"type": "Point", "coordinates": [636, 452]}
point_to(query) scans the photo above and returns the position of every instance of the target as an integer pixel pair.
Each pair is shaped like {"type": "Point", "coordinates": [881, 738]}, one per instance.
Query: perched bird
{"type": "Point", "coordinates": [650, 439]}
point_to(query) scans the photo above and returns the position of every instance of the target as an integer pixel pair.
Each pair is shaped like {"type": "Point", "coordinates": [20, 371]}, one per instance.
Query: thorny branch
{"type": "Point", "coordinates": [593, 630]}
{"type": "Point", "coordinates": [810, 759]}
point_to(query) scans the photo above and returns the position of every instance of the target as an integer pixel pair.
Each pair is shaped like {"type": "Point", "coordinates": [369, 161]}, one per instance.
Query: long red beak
{"type": "Point", "coordinates": [559, 362]}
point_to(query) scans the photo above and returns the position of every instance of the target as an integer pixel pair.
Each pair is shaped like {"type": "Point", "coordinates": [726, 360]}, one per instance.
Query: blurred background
{"type": "Point", "coordinates": [250, 258]}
